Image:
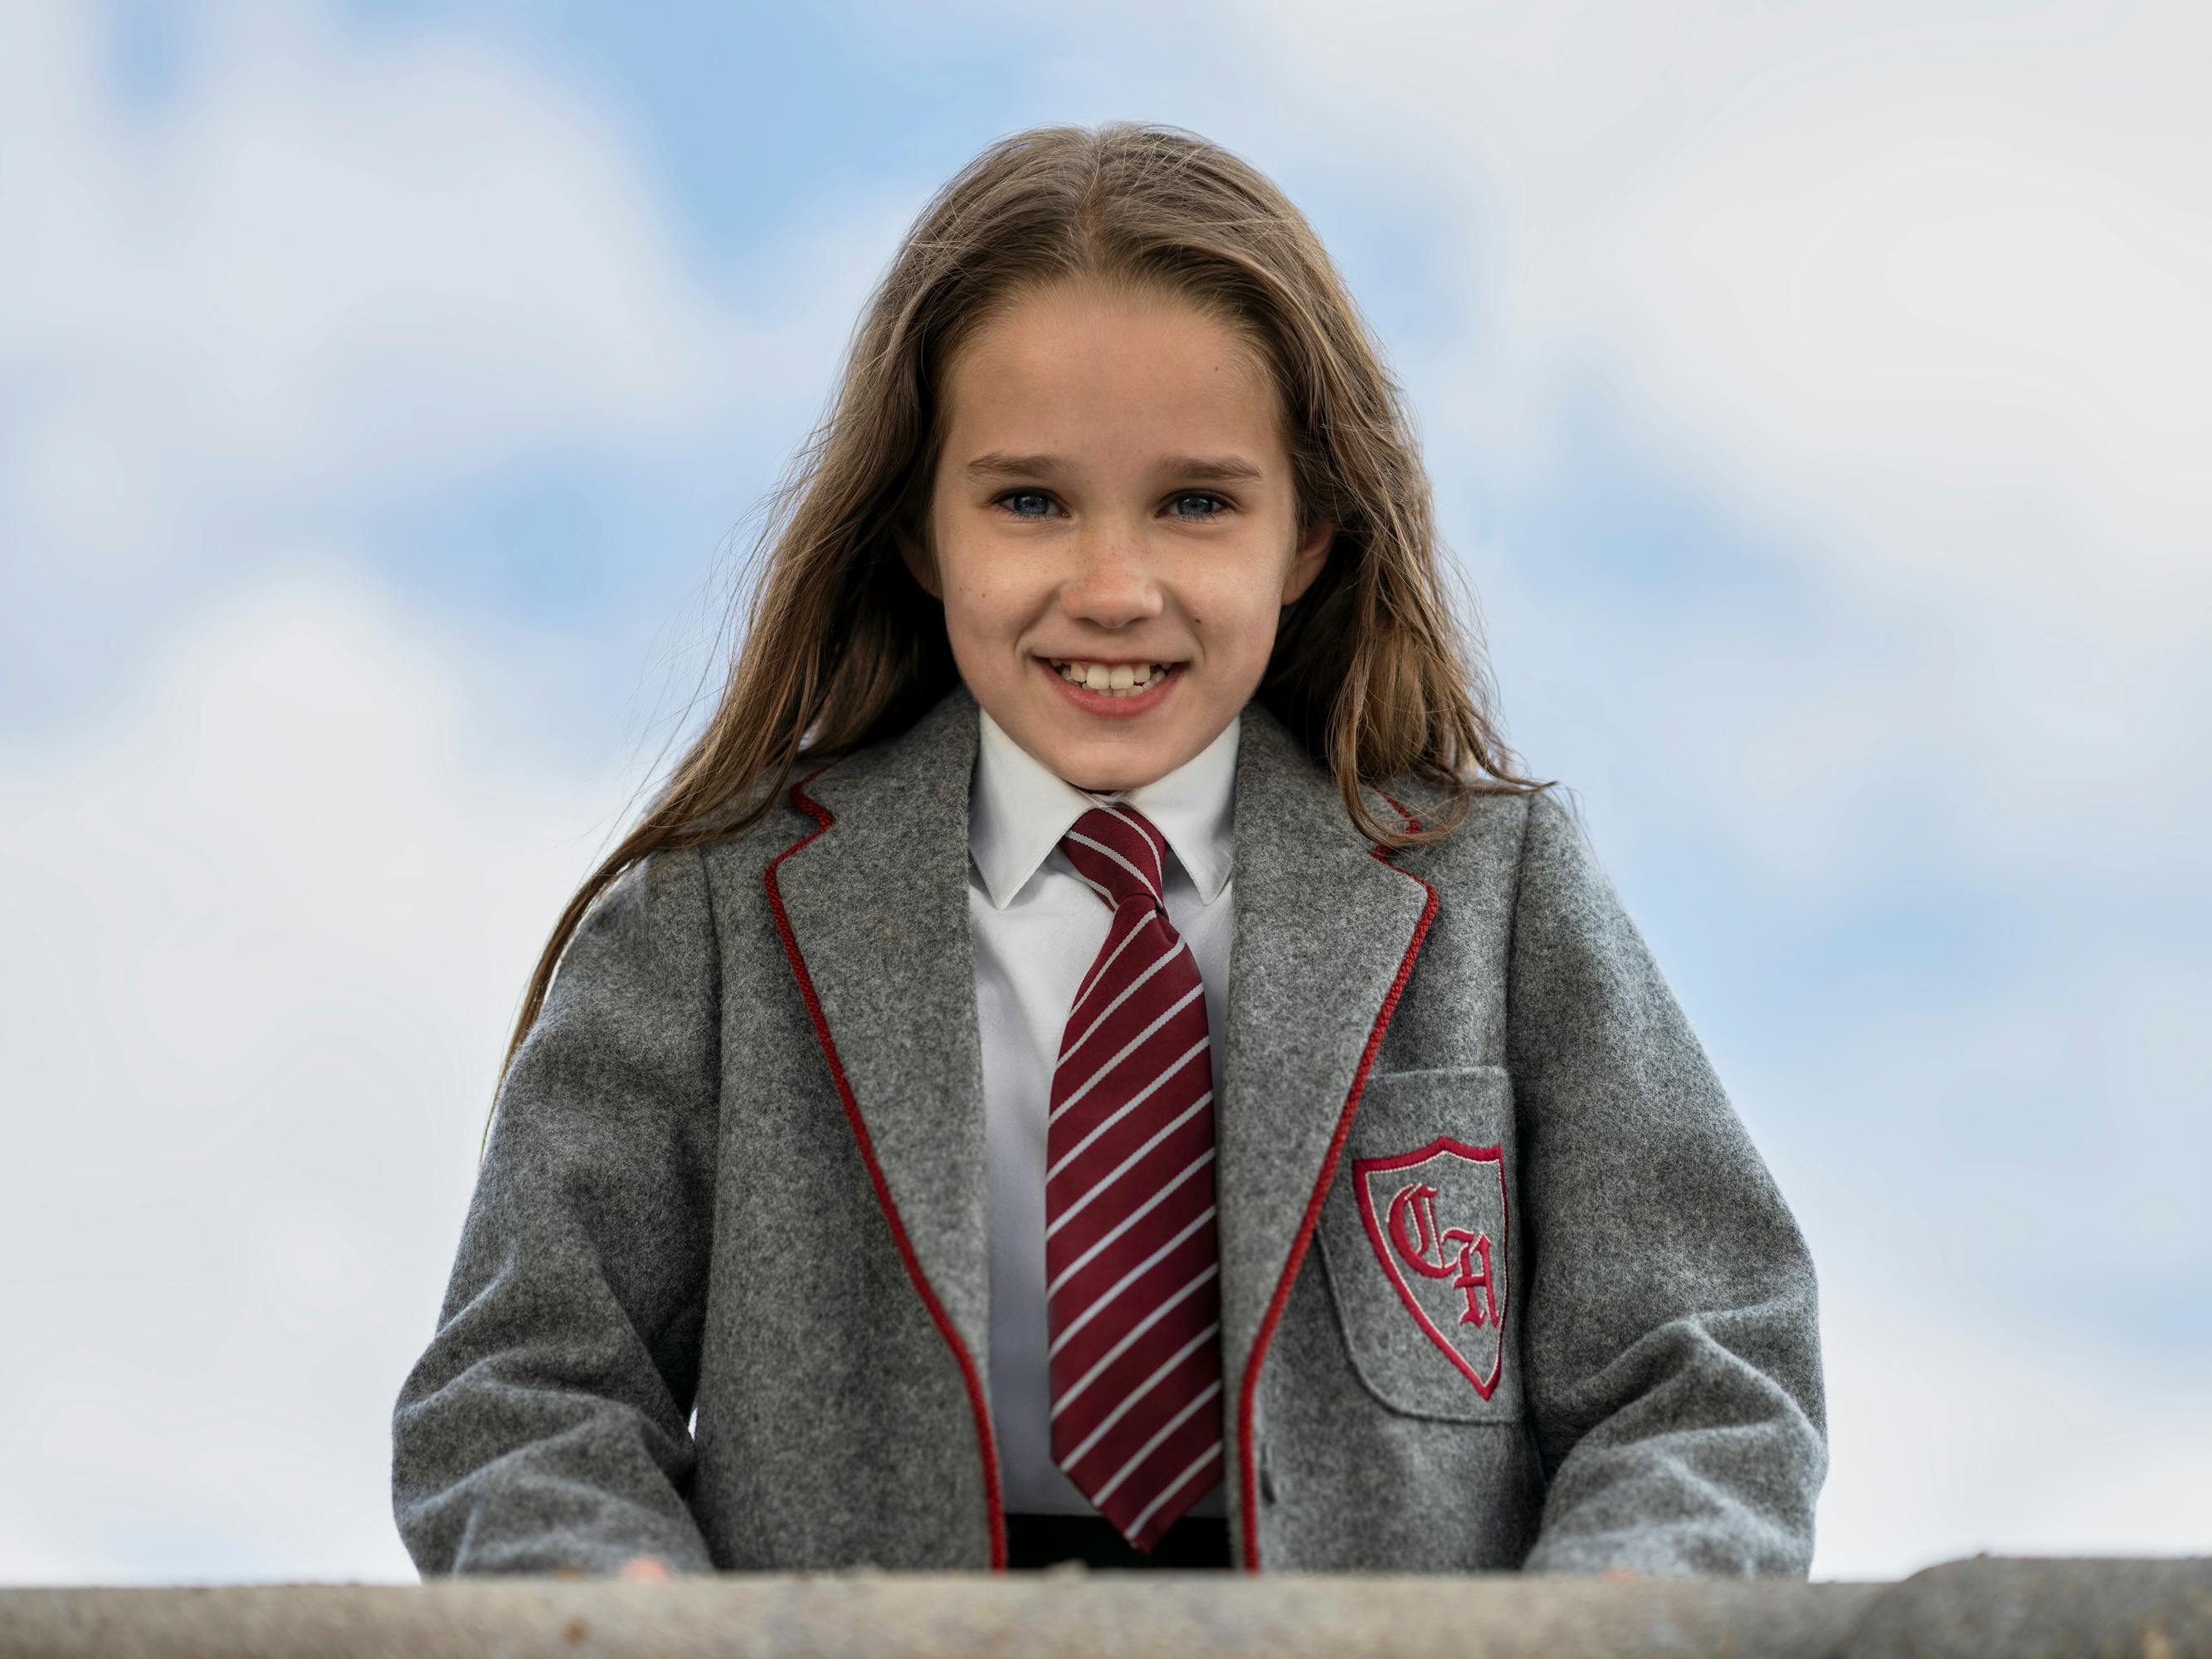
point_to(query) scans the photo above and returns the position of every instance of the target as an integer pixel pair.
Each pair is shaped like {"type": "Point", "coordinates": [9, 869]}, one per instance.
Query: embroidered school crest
{"type": "Point", "coordinates": [1436, 1219]}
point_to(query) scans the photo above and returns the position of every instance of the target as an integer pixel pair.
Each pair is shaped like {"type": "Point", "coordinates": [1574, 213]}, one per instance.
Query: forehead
{"type": "Point", "coordinates": [1095, 376]}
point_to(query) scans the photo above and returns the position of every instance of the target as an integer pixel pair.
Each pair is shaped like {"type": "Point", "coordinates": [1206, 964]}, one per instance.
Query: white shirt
{"type": "Point", "coordinates": [1037, 928]}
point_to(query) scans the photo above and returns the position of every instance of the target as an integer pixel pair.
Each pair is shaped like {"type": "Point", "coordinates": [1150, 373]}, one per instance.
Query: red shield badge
{"type": "Point", "coordinates": [1436, 1219]}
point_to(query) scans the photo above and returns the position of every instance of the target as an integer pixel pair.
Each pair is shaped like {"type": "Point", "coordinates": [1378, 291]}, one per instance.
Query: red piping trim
{"type": "Point", "coordinates": [1248, 1391]}
{"type": "Point", "coordinates": [985, 1440]}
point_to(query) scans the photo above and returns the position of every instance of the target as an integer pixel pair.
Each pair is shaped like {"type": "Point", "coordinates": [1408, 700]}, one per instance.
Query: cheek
{"type": "Point", "coordinates": [982, 613]}
{"type": "Point", "coordinates": [979, 608]}
{"type": "Point", "coordinates": [1235, 620]}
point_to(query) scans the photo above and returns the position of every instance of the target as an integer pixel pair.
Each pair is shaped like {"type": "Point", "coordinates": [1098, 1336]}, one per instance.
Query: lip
{"type": "Point", "coordinates": [1112, 708]}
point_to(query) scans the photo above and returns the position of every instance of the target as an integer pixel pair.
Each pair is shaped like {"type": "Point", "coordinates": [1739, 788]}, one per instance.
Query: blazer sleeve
{"type": "Point", "coordinates": [1671, 1339]}
{"type": "Point", "coordinates": [546, 1425]}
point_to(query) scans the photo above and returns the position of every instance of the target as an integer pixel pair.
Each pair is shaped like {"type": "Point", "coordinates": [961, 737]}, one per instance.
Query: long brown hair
{"type": "Point", "coordinates": [1372, 670]}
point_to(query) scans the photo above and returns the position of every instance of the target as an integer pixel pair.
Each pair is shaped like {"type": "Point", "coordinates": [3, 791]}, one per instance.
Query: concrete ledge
{"type": "Point", "coordinates": [2018, 1609]}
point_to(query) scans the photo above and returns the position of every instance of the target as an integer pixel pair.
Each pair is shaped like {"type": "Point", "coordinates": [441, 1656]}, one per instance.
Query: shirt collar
{"type": "Point", "coordinates": [1018, 808]}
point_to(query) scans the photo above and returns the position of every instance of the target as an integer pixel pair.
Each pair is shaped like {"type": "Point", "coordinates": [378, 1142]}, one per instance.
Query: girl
{"type": "Point", "coordinates": [1094, 1053]}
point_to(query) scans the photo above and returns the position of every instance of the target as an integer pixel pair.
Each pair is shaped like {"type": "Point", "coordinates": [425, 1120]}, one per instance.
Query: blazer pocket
{"type": "Point", "coordinates": [1417, 1242]}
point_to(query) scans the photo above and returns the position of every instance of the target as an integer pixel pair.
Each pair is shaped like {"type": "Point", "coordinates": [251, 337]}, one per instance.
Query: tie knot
{"type": "Point", "coordinates": [1116, 849]}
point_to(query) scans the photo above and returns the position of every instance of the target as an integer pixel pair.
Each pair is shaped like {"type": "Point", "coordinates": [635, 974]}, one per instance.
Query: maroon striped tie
{"type": "Point", "coordinates": [1132, 1296]}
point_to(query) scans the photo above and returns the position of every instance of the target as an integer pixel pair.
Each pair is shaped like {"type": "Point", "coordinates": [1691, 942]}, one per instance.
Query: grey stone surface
{"type": "Point", "coordinates": [1069, 1615]}
{"type": "Point", "coordinates": [2043, 1609]}
{"type": "Point", "coordinates": [2016, 1608]}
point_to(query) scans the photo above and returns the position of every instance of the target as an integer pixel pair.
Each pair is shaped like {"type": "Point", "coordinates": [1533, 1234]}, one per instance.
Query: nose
{"type": "Point", "coordinates": [1112, 583]}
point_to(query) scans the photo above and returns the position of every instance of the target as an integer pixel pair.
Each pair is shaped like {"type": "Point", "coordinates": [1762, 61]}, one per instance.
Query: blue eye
{"type": "Point", "coordinates": [1016, 495]}
{"type": "Point", "coordinates": [1221, 503]}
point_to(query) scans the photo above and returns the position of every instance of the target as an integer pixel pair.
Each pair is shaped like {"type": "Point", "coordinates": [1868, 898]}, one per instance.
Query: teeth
{"type": "Point", "coordinates": [1121, 680]}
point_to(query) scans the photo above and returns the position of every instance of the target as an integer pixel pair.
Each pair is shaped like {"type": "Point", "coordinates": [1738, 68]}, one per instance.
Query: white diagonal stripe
{"type": "Point", "coordinates": [1131, 1335]}
{"type": "Point", "coordinates": [1098, 972]}
{"type": "Point", "coordinates": [1129, 1221]}
{"type": "Point", "coordinates": [1127, 991]}
{"type": "Point", "coordinates": [1125, 1280]}
{"type": "Point", "coordinates": [1172, 1487]}
{"type": "Point", "coordinates": [1131, 1399]}
{"type": "Point", "coordinates": [1126, 1049]}
{"type": "Point", "coordinates": [1146, 1450]}
{"type": "Point", "coordinates": [1122, 1168]}
{"type": "Point", "coordinates": [1150, 885]}
{"type": "Point", "coordinates": [1121, 1111]}
{"type": "Point", "coordinates": [1138, 824]}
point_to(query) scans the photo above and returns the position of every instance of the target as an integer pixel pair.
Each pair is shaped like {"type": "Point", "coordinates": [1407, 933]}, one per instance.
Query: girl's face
{"type": "Point", "coordinates": [1114, 493]}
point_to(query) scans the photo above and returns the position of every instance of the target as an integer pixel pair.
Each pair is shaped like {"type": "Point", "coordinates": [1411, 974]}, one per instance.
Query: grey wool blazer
{"type": "Point", "coordinates": [1504, 1283]}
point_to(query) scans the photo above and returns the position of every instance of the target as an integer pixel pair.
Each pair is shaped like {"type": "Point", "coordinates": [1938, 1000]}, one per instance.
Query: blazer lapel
{"type": "Point", "coordinates": [1326, 935]}
{"type": "Point", "coordinates": [877, 902]}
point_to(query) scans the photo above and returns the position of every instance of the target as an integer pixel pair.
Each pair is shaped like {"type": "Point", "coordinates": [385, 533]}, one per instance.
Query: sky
{"type": "Point", "coordinates": [1817, 398]}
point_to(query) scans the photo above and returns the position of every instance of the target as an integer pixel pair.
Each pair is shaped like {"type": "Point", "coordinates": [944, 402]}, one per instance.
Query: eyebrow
{"type": "Point", "coordinates": [1210, 469]}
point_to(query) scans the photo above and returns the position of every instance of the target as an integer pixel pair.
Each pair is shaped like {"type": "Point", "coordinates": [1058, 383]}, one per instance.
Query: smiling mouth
{"type": "Point", "coordinates": [1126, 679]}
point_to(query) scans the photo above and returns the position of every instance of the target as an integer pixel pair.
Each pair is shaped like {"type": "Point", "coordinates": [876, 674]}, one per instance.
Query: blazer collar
{"type": "Point", "coordinates": [1019, 808]}
{"type": "Point", "coordinates": [875, 900]}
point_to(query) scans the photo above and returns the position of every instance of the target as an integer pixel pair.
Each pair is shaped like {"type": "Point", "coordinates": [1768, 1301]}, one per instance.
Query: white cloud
{"type": "Point", "coordinates": [1948, 1437]}
{"type": "Point", "coordinates": [1926, 298]}
{"type": "Point", "coordinates": [271, 914]}
{"type": "Point", "coordinates": [340, 267]}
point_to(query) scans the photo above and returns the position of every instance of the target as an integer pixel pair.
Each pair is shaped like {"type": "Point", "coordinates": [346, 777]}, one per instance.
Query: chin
{"type": "Point", "coordinates": [1105, 766]}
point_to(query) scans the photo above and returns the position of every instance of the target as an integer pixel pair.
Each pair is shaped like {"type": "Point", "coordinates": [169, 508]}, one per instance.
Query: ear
{"type": "Point", "coordinates": [918, 563]}
{"type": "Point", "coordinates": [1305, 564]}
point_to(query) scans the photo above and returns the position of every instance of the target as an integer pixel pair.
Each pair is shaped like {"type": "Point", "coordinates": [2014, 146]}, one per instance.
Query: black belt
{"type": "Point", "coordinates": [1039, 1540]}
